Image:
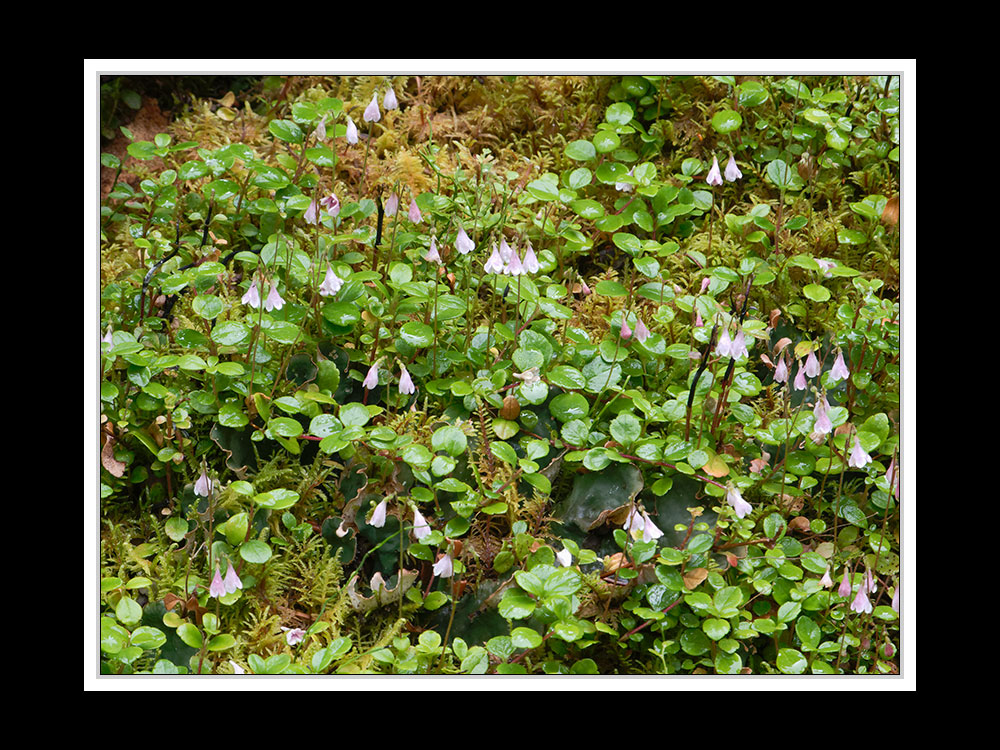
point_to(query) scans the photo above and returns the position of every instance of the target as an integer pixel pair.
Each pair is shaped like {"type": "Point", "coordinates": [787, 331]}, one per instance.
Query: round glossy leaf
{"type": "Point", "coordinates": [606, 141]}
{"type": "Point", "coordinates": [278, 499]}
{"type": "Point", "coordinates": [580, 177]}
{"type": "Point", "coordinates": [619, 113]}
{"type": "Point", "coordinates": [751, 94]}
{"type": "Point", "coordinates": [837, 139]}
{"type": "Point", "coordinates": [780, 173]}
{"type": "Point", "coordinates": [189, 634]}
{"type": "Point", "coordinates": [567, 406]}
{"type": "Point", "coordinates": [449, 439]}
{"type": "Point", "coordinates": [255, 551]}
{"type": "Point", "coordinates": [626, 429]}
{"type": "Point", "coordinates": [726, 121]}
{"type": "Point", "coordinates": [516, 604]}
{"type": "Point", "coordinates": [417, 334]}
{"type": "Point", "coordinates": [715, 628]}
{"type": "Point", "coordinates": [232, 333]}
{"type": "Point", "coordinates": [284, 427]}
{"type": "Point", "coordinates": [588, 209]}
{"type": "Point", "coordinates": [580, 150]}
{"type": "Point", "coordinates": [791, 661]}
{"type": "Point", "coordinates": [341, 313]}
{"type": "Point", "coordinates": [285, 130]}
{"type": "Point", "coordinates": [816, 292]}
{"type": "Point", "coordinates": [354, 415]}
{"type": "Point", "coordinates": [147, 637]}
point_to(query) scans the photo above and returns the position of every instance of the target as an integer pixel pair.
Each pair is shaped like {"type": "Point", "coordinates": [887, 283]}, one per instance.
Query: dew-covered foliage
{"type": "Point", "coordinates": [507, 375]}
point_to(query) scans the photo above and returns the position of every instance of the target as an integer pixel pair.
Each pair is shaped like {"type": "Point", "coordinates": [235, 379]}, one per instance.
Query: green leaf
{"type": "Point", "coordinates": [285, 427]}
{"type": "Point", "coordinates": [726, 121]}
{"type": "Point", "coordinates": [516, 605]}
{"type": "Point", "coordinates": [611, 289]}
{"type": "Point", "coordinates": [780, 174]}
{"type": "Point", "coordinates": [285, 130]}
{"type": "Point", "coordinates": [354, 415]}
{"type": "Point", "coordinates": [715, 628]}
{"type": "Point", "coordinates": [255, 551]}
{"type": "Point", "coordinates": [417, 334]}
{"type": "Point", "coordinates": [449, 439]}
{"type": "Point", "coordinates": [619, 113]}
{"type": "Point", "coordinates": [791, 661]}
{"type": "Point", "coordinates": [278, 499]}
{"type": "Point", "coordinates": [190, 635]}
{"type": "Point", "coordinates": [563, 582]}
{"type": "Point", "coordinates": [626, 429]}
{"type": "Point", "coordinates": [543, 190]}
{"type": "Point", "coordinates": [580, 150]}
{"type": "Point", "coordinates": [816, 292]}
{"type": "Point", "coordinates": [569, 406]}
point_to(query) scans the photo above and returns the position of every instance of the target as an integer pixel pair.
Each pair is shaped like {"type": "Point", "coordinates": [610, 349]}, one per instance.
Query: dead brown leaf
{"type": "Point", "coordinates": [694, 577]}
{"type": "Point", "coordinates": [108, 461]}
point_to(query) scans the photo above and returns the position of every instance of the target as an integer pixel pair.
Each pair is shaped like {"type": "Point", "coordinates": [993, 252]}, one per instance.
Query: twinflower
{"type": "Point", "coordinates": [371, 111]}
{"type": "Point", "coordinates": [371, 379]}
{"type": "Point", "coordinates": [735, 499]}
{"type": "Point", "coordinates": [444, 567]}
{"type": "Point", "coordinates": [406, 385]}
{"type": "Point", "coordinates": [733, 172]}
{"type": "Point", "coordinates": [714, 174]}
{"type": "Point", "coordinates": [331, 283]}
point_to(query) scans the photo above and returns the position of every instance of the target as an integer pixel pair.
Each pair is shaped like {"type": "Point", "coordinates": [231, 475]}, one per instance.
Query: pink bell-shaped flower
{"type": "Point", "coordinates": [217, 587]}
{"type": "Point", "coordinates": [232, 581]}
{"type": "Point", "coordinates": [735, 499]}
{"type": "Point", "coordinates": [331, 203]}
{"type": "Point", "coordinates": [421, 529]}
{"type": "Point", "coordinates": [812, 365]}
{"type": "Point", "coordinates": [203, 486]}
{"type": "Point", "coordinates": [294, 635]}
{"type": "Point", "coordinates": [858, 458]}
{"type": "Point", "coordinates": [822, 423]}
{"type": "Point", "coordinates": [800, 379]}
{"type": "Point", "coordinates": [462, 242]}
{"type": "Point", "coordinates": [514, 266]}
{"type": "Point", "coordinates": [733, 172]}
{"type": "Point", "coordinates": [331, 283]}
{"type": "Point", "coordinates": [531, 264]}
{"type": "Point", "coordinates": [781, 370]}
{"type": "Point", "coordinates": [378, 515]}
{"type": "Point", "coordinates": [839, 370]}
{"type": "Point", "coordinates": [494, 264]}
{"type": "Point", "coordinates": [844, 589]}
{"type": "Point", "coordinates": [641, 332]}
{"type": "Point", "coordinates": [371, 379]}
{"type": "Point", "coordinates": [433, 256]}
{"type": "Point", "coordinates": [252, 296]}
{"type": "Point", "coordinates": [274, 300]}
{"type": "Point", "coordinates": [826, 581]}
{"type": "Point", "coordinates": [371, 113]}
{"type": "Point", "coordinates": [352, 132]}
{"type": "Point", "coordinates": [714, 174]}
{"type": "Point", "coordinates": [444, 567]}
{"type": "Point", "coordinates": [406, 385]}
{"type": "Point", "coordinates": [739, 347]}
{"type": "Point", "coordinates": [389, 100]}
{"type": "Point", "coordinates": [725, 346]}
{"type": "Point", "coordinates": [861, 602]}
{"type": "Point", "coordinates": [414, 213]}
